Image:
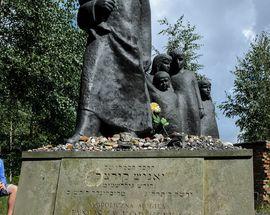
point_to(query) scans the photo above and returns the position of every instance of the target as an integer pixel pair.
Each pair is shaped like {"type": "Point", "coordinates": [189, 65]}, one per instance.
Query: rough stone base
{"type": "Point", "coordinates": [136, 183]}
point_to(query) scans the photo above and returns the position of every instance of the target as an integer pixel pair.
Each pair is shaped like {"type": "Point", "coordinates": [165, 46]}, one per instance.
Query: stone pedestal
{"type": "Point", "coordinates": [136, 183]}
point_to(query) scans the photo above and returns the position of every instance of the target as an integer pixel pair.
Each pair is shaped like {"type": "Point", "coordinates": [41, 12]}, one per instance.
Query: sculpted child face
{"type": "Point", "coordinates": [205, 89]}
{"type": "Point", "coordinates": [164, 84]}
{"type": "Point", "coordinates": [164, 64]}
{"type": "Point", "coordinates": [162, 81]}
{"type": "Point", "coordinates": [161, 62]}
{"type": "Point", "coordinates": [178, 60]}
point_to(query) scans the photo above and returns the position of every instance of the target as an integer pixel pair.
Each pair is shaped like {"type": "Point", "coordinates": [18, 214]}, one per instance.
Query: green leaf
{"type": "Point", "coordinates": [249, 100]}
{"type": "Point", "coordinates": [164, 122]}
{"type": "Point", "coordinates": [40, 62]}
{"type": "Point", "coordinates": [182, 34]}
{"type": "Point", "coordinates": [156, 119]}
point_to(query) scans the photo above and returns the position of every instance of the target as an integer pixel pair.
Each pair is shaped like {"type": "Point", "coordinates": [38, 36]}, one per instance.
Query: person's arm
{"type": "Point", "coordinates": [92, 12]}
{"type": "Point", "coordinates": [2, 173]}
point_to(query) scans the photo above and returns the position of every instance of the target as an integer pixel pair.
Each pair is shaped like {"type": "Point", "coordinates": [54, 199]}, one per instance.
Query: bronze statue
{"type": "Point", "coordinates": [164, 95]}
{"type": "Point", "coordinates": [186, 87]}
{"type": "Point", "coordinates": [161, 92]}
{"type": "Point", "coordinates": [161, 62]}
{"type": "Point", "coordinates": [162, 81]}
{"type": "Point", "coordinates": [208, 122]}
{"type": "Point", "coordinates": [113, 95]}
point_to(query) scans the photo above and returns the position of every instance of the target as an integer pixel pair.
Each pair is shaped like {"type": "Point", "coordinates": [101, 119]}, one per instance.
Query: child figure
{"type": "Point", "coordinates": [185, 85]}
{"type": "Point", "coordinates": [161, 62]}
{"type": "Point", "coordinates": [163, 94]}
{"type": "Point", "coordinates": [208, 122]}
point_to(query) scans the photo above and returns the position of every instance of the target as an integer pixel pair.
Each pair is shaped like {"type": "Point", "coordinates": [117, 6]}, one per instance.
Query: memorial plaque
{"type": "Point", "coordinates": [37, 188]}
{"type": "Point", "coordinates": [145, 186]}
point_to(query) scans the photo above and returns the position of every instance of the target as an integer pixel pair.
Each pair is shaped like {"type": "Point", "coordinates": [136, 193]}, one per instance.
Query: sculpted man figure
{"type": "Point", "coordinates": [186, 87]}
{"type": "Point", "coordinates": [208, 122]}
{"type": "Point", "coordinates": [114, 96]}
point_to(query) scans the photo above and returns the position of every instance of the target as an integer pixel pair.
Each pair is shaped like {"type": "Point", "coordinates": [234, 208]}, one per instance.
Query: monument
{"type": "Point", "coordinates": [115, 84]}
{"type": "Point", "coordinates": [122, 174]}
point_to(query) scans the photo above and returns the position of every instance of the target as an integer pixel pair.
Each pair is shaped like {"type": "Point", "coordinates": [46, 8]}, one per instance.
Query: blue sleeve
{"type": "Point", "coordinates": [2, 172]}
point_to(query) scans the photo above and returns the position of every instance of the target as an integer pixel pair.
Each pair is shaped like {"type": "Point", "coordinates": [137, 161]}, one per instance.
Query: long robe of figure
{"type": "Point", "coordinates": [169, 108]}
{"type": "Point", "coordinates": [113, 82]}
{"type": "Point", "coordinates": [208, 123]}
{"type": "Point", "coordinates": [186, 87]}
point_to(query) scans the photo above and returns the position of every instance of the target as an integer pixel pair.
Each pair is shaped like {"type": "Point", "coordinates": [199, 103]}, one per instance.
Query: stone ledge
{"type": "Point", "coordinates": [245, 153]}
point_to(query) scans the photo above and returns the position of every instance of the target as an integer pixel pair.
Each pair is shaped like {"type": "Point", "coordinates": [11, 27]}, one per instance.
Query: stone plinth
{"type": "Point", "coordinates": [136, 183]}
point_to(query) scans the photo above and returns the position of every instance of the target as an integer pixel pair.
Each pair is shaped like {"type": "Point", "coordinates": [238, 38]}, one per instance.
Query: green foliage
{"type": "Point", "coordinates": [164, 122]}
{"type": "Point", "coordinates": [3, 205]}
{"type": "Point", "coordinates": [183, 35]}
{"type": "Point", "coordinates": [250, 100]}
{"type": "Point", "coordinates": [41, 58]}
{"type": "Point", "coordinates": [156, 119]}
{"type": "Point", "coordinates": [160, 121]}
{"type": "Point", "coordinates": [263, 208]}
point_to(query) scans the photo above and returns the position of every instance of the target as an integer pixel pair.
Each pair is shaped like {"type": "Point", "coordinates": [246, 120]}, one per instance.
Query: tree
{"type": "Point", "coordinates": [183, 35]}
{"type": "Point", "coordinates": [249, 101]}
{"type": "Point", "coordinates": [41, 58]}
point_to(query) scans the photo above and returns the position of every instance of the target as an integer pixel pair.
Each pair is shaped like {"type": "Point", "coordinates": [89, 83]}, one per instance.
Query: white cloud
{"type": "Point", "coordinates": [159, 8]}
{"type": "Point", "coordinates": [249, 33]}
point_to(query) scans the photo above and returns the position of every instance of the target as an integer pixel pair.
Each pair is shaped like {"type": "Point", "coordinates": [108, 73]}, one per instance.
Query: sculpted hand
{"type": "Point", "coordinates": [105, 7]}
{"type": "Point", "coordinates": [202, 113]}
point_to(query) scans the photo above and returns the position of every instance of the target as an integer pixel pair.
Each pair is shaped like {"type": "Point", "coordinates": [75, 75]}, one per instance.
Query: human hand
{"type": "Point", "coordinates": [2, 186]}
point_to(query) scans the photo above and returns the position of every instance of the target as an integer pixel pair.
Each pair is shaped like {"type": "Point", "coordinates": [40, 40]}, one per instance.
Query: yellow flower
{"type": "Point", "coordinates": [155, 107]}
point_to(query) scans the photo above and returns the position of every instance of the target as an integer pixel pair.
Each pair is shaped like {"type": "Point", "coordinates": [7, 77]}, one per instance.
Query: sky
{"type": "Point", "coordinates": [227, 27]}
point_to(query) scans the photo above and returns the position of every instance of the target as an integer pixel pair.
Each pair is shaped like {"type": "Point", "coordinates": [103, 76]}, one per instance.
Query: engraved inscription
{"type": "Point", "coordinates": [133, 187]}
{"type": "Point", "coordinates": [123, 177]}
{"type": "Point", "coordinates": [94, 178]}
{"type": "Point", "coordinates": [125, 208]}
{"type": "Point", "coordinates": [86, 212]}
{"type": "Point", "coordinates": [95, 192]}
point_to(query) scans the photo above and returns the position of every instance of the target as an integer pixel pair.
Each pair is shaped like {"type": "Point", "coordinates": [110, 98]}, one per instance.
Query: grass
{"type": "Point", "coordinates": [3, 199]}
{"type": "Point", "coordinates": [3, 205]}
{"type": "Point", "coordinates": [263, 208]}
